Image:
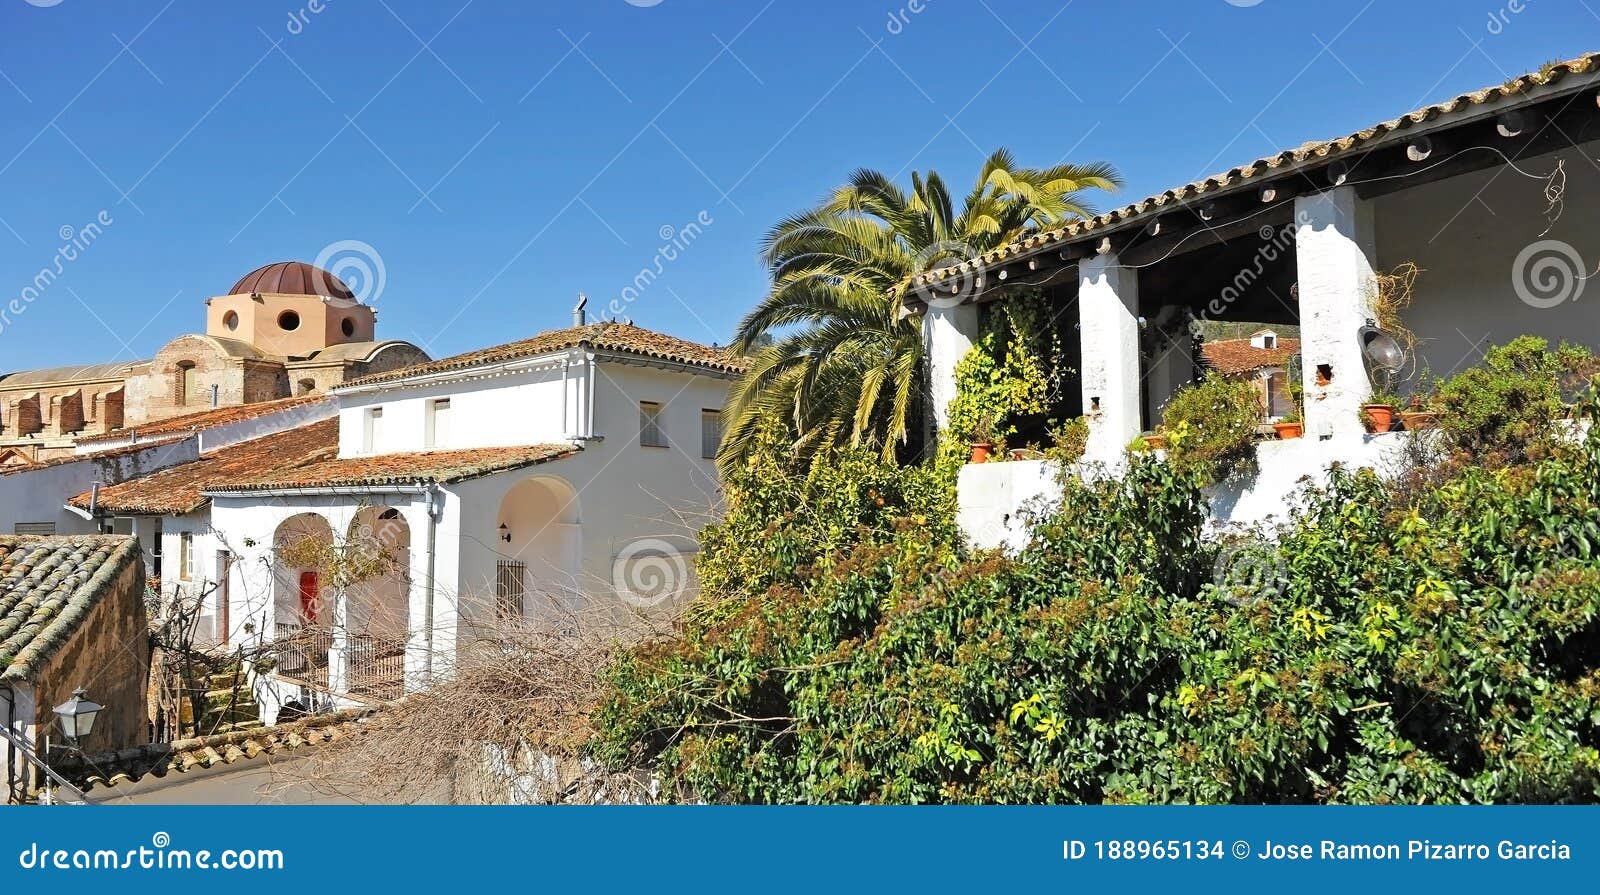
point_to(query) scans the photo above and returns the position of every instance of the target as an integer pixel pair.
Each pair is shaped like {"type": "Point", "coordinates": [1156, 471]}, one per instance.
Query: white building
{"type": "Point", "coordinates": [562, 478]}
{"type": "Point", "coordinates": [1487, 194]}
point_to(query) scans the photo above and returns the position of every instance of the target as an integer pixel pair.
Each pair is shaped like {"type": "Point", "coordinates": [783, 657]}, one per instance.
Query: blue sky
{"type": "Point", "coordinates": [499, 157]}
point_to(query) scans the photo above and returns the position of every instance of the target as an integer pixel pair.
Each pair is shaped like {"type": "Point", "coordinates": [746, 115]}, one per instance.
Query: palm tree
{"type": "Point", "coordinates": [832, 355]}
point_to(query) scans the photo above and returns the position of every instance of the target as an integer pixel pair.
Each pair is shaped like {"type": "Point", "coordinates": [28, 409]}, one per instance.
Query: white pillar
{"type": "Point", "coordinates": [1108, 314]}
{"type": "Point", "coordinates": [947, 333]}
{"type": "Point", "coordinates": [1334, 251]}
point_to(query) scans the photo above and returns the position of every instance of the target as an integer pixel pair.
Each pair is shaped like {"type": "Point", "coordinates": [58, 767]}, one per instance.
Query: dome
{"type": "Point", "coordinates": [292, 278]}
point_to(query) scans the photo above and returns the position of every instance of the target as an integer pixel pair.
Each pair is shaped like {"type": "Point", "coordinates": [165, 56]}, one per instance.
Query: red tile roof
{"type": "Point", "coordinates": [1234, 356]}
{"type": "Point", "coordinates": [1509, 94]}
{"type": "Point", "coordinates": [423, 467]}
{"type": "Point", "coordinates": [179, 489]}
{"type": "Point", "coordinates": [206, 419]}
{"type": "Point", "coordinates": [623, 338]}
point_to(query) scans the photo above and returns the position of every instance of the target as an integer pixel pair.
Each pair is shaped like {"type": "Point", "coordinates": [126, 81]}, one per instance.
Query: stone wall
{"type": "Point", "coordinates": [110, 657]}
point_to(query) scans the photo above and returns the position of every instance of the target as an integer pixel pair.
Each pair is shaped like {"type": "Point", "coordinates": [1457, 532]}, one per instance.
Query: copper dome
{"type": "Point", "coordinates": [292, 278]}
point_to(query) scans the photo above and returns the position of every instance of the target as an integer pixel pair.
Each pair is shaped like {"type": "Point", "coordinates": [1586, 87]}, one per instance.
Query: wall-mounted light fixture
{"type": "Point", "coordinates": [505, 533]}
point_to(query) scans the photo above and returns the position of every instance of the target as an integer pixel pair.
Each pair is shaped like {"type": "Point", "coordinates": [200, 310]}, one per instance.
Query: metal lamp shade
{"type": "Point", "coordinates": [76, 715]}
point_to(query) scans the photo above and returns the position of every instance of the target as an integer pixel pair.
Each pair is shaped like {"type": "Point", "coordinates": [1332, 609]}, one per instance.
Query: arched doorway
{"type": "Point", "coordinates": [378, 604]}
{"type": "Point", "coordinates": [302, 608]}
{"type": "Point", "coordinates": [539, 552]}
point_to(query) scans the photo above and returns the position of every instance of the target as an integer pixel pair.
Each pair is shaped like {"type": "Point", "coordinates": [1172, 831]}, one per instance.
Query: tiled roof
{"type": "Point", "coordinates": [179, 489]}
{"type": "Point", "coordinates": [207, 419]}
{"type": "Point", "coordinates": [129, 765]}
{"type": "Point", "coordinates": [1314, 151]}
{"type": "Point", "coordinates": [425, 467]}
{"type": "Point", "coordinates": [624, 338]}
{"type": "Point", "coordinates": [48, 585]}
{"type": "Point", "coordinates": [1233, 356]}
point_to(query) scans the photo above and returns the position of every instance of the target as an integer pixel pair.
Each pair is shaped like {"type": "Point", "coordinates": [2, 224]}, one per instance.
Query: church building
{"type": "Point", "coordinates": [286, 329]}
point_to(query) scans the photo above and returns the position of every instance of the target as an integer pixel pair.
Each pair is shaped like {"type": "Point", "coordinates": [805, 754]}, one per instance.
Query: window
{"type": "Point", "coordinates": [185, 555]}
{"type": "Point", "coordinates": [371, 429]}
{"type": "Point", "coordinates": [651, 431]}
{"type": "Point", "coordinates": [348, 327]}
{"type": "Point", "coordinates": [184, 383]}
{"type": "Point", "coordinates": [438, 423]}
{"type": "Point", "coordinates": [33, 528]}
{"type": "Point", "coordinates": [710, 433]}
{"type": "Point", "coordinates": [231, 320]}
{"type": "Point", "coordinates": [510, 589]}
{"type": "Point", "coordinates": [1269, 341]}
{"type": "Point", "coordinates": [288, 321]}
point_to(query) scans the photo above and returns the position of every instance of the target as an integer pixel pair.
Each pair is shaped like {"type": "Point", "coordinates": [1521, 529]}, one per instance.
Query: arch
{"type": "Point", "coordinates": [299, 588]}
{"type": "Point", "coordinates": [377, 613]}
{"type": "Point", "coordinates": [539, 550]}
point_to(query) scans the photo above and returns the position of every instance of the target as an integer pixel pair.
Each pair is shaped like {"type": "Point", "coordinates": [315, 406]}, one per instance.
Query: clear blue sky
{"type": "Point", "coordinates": [501, 170]}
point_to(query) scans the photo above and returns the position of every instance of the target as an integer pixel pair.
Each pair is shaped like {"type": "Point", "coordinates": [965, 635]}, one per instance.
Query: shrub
{"type": "Point", "coordinates": [1211, 426]}
{"type": "Point", "coordinates": [1501, 412]}
{"type": "Point", "coordinates": [1446, 652]}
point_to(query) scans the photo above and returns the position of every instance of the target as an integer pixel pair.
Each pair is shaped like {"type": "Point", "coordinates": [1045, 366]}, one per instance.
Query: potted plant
{"type": "Point", "coordinates": [1291, 426]}
{"type": "Point", "coordinates": [1417, 417]}
{"type": "Point", "coordinates": [982, 440]}
{"type": "Point", "coordinates": [1379, 413]}
{"type": "Point", "coordinates": [1156, 441]}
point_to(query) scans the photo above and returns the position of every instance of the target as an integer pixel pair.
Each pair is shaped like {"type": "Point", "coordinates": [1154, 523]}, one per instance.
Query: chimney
{"type": "Point", "coordinates": [578, 315]}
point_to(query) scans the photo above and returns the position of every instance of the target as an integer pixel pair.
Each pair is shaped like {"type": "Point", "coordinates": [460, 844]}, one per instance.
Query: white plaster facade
{"type": "Point", "coordinates": [601, 534]}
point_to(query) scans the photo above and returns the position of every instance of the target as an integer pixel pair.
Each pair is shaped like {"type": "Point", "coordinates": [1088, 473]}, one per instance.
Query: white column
{"type": "Point", "coordinates": [1334, 251]}
{"type": "Point", "coordinates": [1108, 315]}
{"type": "Point", "coordinates": [947, 333]}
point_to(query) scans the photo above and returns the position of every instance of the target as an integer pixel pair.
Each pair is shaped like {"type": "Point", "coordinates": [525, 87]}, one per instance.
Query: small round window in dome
{"type": "Point", "coordinates": [231, 320]}
{"type": "Point", "coordinates": [288, 321]}
{"type": "Point", "coordinates": [348, 327]}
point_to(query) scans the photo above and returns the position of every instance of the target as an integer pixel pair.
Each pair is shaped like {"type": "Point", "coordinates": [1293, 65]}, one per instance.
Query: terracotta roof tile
{"type": "Point", "coordinates": [607, 336]}
{"type": "Point", "coordinates": [1314, 151]}
{"type": "Point", "coordinates": [47, 587]}
{"type": "Point", "coordinates": [1234, 356]}
{"type": "Point", "coordinates": [425, 467]}
{"type": "Point", "coordinates": [158, 759]}
{"type": "Point", "coordinates": [207, 419]}
{"type": "Point", "coordinates": [179, 489]}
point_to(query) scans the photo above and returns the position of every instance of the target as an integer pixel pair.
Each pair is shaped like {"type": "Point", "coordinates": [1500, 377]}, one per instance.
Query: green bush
{"type": "Point", "coordinates": [1211, 426]}
{"type": "Point", "coordinates": [1447, 652]}
{"type": "Point", "coordinates": [1501, 412]}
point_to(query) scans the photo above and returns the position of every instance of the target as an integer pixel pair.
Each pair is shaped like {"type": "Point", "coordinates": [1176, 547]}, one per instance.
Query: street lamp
{"type": "Point", "coordinates": [76, 716]}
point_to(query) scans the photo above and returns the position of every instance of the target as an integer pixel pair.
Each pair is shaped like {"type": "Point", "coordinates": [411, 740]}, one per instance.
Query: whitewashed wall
{"type": "Point", "coordinates": [39, 495]}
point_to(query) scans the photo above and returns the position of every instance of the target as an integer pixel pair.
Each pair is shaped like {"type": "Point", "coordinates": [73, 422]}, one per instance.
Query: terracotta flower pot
{"type": "Point", "coordinates": [1156, 441]}
{"type": "Point", "coordinates": [981, 451]}
{"type": "Point", "coordinates": [1418, 420]}
{"type": "Point", "coordinates": [1379, 417]}
{"type": "Point", "coordinates": [1287, 431]}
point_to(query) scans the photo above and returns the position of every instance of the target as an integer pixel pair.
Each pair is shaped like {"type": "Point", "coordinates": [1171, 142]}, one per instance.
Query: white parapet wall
{"type": "Point", "coordinates": [997, 501]}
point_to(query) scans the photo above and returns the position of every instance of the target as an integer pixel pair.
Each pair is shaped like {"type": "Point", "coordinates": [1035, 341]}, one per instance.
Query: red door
{"type": "Point", "coordinates": [308, 596]}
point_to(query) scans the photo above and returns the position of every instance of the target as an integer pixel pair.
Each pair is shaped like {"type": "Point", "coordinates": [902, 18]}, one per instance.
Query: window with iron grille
{"type": "Point", "coordinates": [710, 433]}
{"type": "Point", "coordinates": [510, 588]}
{"type": "Point", "coordinates": [652, 432]}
